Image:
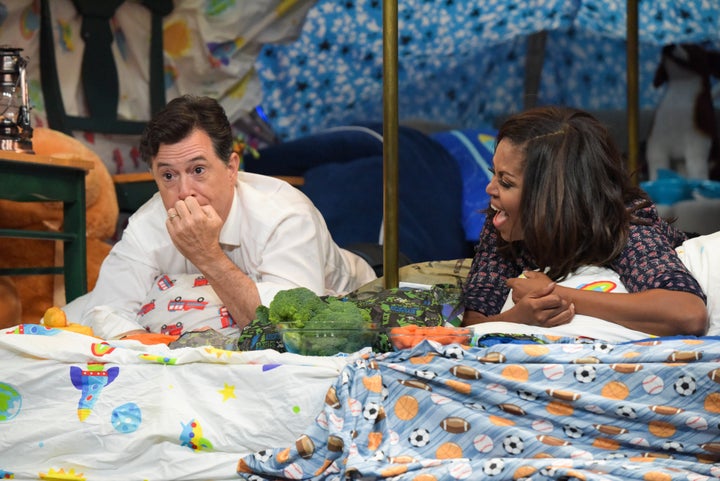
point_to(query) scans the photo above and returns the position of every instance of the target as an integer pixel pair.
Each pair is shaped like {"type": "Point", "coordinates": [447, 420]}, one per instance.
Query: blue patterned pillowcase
{"type": "Point", "coordinates": [473, 149]}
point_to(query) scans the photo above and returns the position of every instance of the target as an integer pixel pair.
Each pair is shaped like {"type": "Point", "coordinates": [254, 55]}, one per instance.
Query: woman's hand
{"type": "Point", "coordinates": [538, 303]}
{"type": "Point", "coordinates": [527, 282]}
{"type": "Point", "coordinates": [541, 306]}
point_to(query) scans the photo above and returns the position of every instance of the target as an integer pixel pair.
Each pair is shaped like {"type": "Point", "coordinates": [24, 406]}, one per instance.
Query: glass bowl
{"type": "Point", "coordinates": [409, 336]}
{"type": "Point", "coordinates": [327, 341]}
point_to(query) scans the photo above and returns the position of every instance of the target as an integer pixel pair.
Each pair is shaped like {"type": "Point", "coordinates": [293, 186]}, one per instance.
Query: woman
{"type": "Point", "coordinates": [560, 200]}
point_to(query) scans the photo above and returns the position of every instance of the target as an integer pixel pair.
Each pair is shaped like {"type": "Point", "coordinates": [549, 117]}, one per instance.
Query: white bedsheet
{"type": "Point", "coordinates": [701, 255]}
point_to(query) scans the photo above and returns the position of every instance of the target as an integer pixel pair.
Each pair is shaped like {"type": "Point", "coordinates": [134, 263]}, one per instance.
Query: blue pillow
{"type": "Point", "coordinates": [473, 150]}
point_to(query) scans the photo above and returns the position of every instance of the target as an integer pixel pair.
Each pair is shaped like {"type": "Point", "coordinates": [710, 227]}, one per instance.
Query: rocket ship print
{"type": "Point", "coordinates": [90, 382]}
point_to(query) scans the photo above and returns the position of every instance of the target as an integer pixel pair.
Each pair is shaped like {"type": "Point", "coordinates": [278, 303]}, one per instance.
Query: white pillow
{"type": "Point", "coordinates": [586, 278]}
{"type": "Point", "coordinates": [181, 303]}
{"type": "Point", "coordinates": [701, 255]}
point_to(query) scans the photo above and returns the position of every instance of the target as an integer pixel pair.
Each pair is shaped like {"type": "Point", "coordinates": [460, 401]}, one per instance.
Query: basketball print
{"type": "Point", "coordinates": [515, 372]}
{"type": "Point", "coordinates": [406, 407]}
{"type": "Point", "coordinates": [615, 390]}
{"type": "Point", "coordinates": [712, 402]}
{"type": "Point", "coordinates": [449, 451]}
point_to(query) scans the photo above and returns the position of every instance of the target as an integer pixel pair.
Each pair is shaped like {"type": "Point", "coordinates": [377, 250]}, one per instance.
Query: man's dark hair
{"type": "Point", "coordinates": [179, 118]}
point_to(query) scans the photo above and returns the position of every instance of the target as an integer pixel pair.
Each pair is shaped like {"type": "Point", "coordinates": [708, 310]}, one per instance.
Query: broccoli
{"type": "Point", "coordinates": [318, 324]}
{"type": "Point", "coordinates": [262, 314]}
{"type": "Point", "coordinates": [340, 315]}
{"type": "Point", "coordinates": [341, 327]}
{"type": "Point", "coordinates": [295, 306]}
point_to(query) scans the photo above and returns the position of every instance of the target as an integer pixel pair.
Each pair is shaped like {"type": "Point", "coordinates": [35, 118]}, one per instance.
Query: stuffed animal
{"type": "Point", "coordinates": [684, 129]}
{"type": "Point", "coordinates": [37, 293]}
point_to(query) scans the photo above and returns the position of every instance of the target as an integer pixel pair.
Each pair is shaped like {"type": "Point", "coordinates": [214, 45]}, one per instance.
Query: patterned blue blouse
{"type": "Point", "coordinates": [648, 262]}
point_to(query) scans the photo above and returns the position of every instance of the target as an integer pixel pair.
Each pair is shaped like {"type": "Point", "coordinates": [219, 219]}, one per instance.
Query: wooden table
{"type": "Point", "coordinates": [39, 178]}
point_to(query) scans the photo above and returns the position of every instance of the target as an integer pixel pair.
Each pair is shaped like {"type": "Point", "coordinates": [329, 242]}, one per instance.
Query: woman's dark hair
{"type": "Point", "coordinates": [576, 191]}
{"type": "Point", "coordinates": [179, 118]}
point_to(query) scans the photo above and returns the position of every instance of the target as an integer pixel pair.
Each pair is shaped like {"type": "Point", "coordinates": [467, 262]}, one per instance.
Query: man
{"type": "Point", "coordinates": [249, 235]}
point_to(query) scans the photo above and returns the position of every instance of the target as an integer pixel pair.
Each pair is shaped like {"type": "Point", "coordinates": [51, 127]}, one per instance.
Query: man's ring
{"type": "Point", "coordinates": [173, 216]}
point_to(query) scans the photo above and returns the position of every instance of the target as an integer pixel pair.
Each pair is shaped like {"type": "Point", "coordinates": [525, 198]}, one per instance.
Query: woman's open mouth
{"type": "Point", "coordinates": [500, 217]}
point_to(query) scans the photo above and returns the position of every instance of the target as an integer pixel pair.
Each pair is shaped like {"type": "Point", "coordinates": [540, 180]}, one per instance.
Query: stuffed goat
{"type": "Point", "coordinates": [684, 134]}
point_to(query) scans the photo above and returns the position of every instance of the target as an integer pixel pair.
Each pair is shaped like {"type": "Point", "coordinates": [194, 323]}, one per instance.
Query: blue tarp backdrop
{"type": "Point", "coordinates": [461, 63]}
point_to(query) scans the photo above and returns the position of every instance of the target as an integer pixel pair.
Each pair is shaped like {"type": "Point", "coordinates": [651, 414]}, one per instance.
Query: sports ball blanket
{"type": "Point", "coordinates": [647, 410]}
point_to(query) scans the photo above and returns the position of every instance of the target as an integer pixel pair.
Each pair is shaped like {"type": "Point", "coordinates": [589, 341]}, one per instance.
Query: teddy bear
{"type": "Point", "coordinates": [26, 298]}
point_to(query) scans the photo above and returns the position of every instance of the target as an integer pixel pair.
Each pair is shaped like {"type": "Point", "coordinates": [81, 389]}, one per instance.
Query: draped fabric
{"type": "Point", "coordinates": [209, 49]}
{"type": "Point", "coordinates": [463, 63]}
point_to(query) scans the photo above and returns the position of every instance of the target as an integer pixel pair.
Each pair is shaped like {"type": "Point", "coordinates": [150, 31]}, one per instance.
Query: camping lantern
{"type": "Point", "coordinates": [15, 129]}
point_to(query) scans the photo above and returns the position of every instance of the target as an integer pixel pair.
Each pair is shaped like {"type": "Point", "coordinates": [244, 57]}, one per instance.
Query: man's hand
{"type": "Point", "coordinates": [195, 230]}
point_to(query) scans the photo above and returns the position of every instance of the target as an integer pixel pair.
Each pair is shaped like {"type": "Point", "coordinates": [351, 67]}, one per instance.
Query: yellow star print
{"type": "Point", "coordinates": [227, 392]}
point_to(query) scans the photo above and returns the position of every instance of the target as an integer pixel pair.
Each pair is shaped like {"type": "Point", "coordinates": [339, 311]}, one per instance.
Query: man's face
{"type": "Point", "coordinates": [190, 168]}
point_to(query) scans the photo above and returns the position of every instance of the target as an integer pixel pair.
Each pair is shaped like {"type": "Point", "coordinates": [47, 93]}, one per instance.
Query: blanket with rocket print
{"type": "Point", "coordinates": [77, 408]}
{"type": "Point", "coordinates": [644, 410]}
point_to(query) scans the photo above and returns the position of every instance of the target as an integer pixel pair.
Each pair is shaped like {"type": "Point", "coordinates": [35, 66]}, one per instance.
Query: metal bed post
{"type": "Point", "coordinates": [633, 102]}
{"type": "Point", "coordinates": [390, 144]}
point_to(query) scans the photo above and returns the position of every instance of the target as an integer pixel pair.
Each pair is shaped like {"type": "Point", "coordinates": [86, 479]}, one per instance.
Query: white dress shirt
{"type": "Point", "coordinates": [273, 233]}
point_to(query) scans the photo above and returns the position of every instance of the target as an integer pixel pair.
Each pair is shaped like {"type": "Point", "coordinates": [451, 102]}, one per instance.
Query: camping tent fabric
{"type": "Point", "coordinates": [319, 64]}
{"type": "Point", "coordinates": [209, 47]}
{"type": "Point", "coordinates": [462, 63]}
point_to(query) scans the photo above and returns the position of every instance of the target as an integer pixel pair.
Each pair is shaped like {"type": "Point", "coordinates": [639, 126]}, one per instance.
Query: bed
{"type": "Point", "coordinates": [76, 407]}
{"type": "Point", "coordinates": [73, 406]}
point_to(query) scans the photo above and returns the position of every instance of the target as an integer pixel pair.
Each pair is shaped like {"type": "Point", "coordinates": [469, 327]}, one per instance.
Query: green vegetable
{"type": "Point", "coordinates": [317, 326]}
{"type": "Point", "coordinates": [295, 306]}
{"type": "Point", "coordinates": [339, 314]}
{"type": "Point", "coordinates": [262, 314]}
{"type": "Point", "coordinates": [302, 308]}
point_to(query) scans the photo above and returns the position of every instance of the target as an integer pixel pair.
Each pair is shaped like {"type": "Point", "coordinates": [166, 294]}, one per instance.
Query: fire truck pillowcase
{"type": "Point", "coordinates": [178, 304]}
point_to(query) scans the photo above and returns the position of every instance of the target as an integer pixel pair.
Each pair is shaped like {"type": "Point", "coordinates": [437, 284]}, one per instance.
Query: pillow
{"type": "Point", "coordinates": [473, 150]}
{"type": "Point", "coordinates": [701, 255]}
{"type": "Point", "coordinates": [586, 278]}
{"type": "Point", "coordinates": [181, 303]}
